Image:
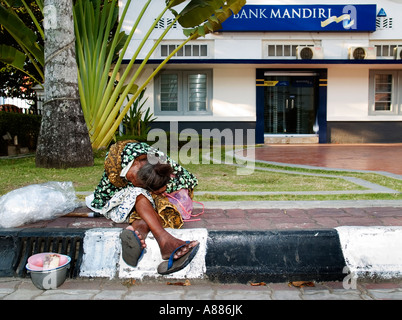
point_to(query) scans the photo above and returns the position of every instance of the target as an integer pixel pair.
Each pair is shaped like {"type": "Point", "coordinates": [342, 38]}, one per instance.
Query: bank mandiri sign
{"type": "Point", "coordinates": [303, 18]}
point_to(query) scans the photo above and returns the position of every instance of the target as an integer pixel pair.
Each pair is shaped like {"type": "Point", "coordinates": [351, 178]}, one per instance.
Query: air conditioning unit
{"type": "Point", "coordinates": [362, 53]}
{"type": "Point", "coordinates": [309, 53]}
{"type": "Point", "coordinates": [398, 53]}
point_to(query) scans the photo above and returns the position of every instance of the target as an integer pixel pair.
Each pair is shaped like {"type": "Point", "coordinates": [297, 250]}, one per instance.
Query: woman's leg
{"type": "Point", "coordinates": [167, 243]}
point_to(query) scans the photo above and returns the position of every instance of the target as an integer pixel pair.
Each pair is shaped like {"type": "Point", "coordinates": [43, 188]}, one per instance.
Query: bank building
{"type": "Point", "coordinates": [293, 72]}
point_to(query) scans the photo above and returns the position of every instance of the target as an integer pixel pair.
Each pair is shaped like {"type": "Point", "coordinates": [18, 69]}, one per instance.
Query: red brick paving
{"type": "Point", "coordinates": [375, 157]}
{"type": "Point", "coordinates": [259, 219]}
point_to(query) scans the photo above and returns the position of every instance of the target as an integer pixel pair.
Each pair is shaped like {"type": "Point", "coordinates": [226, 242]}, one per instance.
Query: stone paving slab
{"type": "Point", "coordinates": [105, 289]}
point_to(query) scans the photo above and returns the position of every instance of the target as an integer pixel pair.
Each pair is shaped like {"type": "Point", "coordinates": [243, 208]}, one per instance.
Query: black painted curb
{"type": "Point", "coordinates": [274, 256]}
{"type": "Point", "coordinates": [232, 256]}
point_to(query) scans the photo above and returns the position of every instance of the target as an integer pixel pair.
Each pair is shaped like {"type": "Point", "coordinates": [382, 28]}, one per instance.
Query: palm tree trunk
{"type": "Point", "coordinates": [63, 139]}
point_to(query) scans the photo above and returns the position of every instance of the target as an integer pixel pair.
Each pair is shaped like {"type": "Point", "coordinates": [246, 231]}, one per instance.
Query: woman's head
{"type": "Point", "coordinates": [153, 177]}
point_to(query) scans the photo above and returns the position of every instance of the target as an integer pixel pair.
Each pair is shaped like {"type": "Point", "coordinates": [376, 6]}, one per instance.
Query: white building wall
{"type": "Point", "coordinates": [347, 93]}
{"type": "Point", "coordinates": [335, 44]}
{"type": "Point", "coordinates": [234, 94]}
{"type": "Point", "coordinates": [234, 90]}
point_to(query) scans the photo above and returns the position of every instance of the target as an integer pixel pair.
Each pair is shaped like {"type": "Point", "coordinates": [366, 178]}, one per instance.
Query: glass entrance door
{"type": "Point", "coordinates": [290, 104]}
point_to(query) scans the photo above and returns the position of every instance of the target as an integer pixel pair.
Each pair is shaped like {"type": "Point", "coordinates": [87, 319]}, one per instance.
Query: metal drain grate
{"type": "Point", "coordinates": [63, 241]}
{"type": "Point", "coordinates": [72, 247]}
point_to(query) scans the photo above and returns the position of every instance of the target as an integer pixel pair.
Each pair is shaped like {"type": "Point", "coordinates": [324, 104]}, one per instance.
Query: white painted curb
{"type": "Point", "coordinates": [102, 258]}
{"type": "Point", "coordinates": [102, 249]}
{"type": "Point", "coordinates": [369, 252]}
{"type": "Point", "coordinates": [374, 252]}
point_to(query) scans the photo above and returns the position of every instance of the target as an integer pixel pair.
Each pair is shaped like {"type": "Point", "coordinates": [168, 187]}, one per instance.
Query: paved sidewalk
{"type": "Point", "coordinates": [201, 290]}
{"type": "Point", "coordinates": [298, 217]}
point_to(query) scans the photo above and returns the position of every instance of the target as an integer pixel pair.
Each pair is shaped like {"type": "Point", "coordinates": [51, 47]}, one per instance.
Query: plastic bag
{"type": "Point", "coordinates": [182, 202]}
{"type": "Point", "coordinates": [37, 202]}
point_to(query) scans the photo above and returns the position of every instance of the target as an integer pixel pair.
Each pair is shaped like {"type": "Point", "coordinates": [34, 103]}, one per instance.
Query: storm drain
{"type": "Point", "coordinates": [30, 242]}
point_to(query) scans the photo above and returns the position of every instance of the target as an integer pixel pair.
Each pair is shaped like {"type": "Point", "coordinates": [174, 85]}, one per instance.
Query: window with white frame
{"type": "Point", "coordinates": [182, 92]}
{"type": "Point", "coordinates": [385, 92]}
{"type": "Point", "coordinates": [283, 50]}
{"type": "Point", "coordinates": [386, 51]}
{"type": "Point", "coordinates": [199, 50]}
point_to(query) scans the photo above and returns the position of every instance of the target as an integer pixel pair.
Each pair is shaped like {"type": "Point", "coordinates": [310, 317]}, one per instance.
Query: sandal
{"type": "Point", "coordinates": [172, 265]}
{"type": "Point", "coordinates": [132, 250]}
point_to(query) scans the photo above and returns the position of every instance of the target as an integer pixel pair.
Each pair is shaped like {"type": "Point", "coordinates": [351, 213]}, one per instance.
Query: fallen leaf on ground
{"type": "Point", "coordinates": [129, 282]}
{"type": "Point", "coordinates": [183, 284]}
{"type": "Point", "coordinates": [301, 284]}
{"type": "Point", "coordinates": [256, 284]}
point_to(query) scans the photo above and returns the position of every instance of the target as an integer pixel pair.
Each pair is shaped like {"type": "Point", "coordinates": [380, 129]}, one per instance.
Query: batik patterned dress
{"type": "Point", "coordinates": [116, 197]}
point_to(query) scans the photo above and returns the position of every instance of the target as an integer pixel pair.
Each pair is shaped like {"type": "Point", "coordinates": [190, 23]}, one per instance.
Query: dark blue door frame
{"type": "Point", "coordinates": [322, 103]}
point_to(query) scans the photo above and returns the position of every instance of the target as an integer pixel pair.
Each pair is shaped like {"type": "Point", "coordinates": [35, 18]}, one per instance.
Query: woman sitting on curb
{"type": "Point", "coordinates": [132, 189]}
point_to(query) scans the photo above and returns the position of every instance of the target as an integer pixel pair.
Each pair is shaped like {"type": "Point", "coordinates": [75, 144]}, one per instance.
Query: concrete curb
{"type": "Point", "coordinates": [224, 256]}
{"type": "Point", "coordinates": [275, 256]}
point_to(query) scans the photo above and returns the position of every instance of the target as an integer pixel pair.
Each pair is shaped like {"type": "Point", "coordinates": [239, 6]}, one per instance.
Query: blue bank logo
{"type": "Point", "coordinates": [303, 18]}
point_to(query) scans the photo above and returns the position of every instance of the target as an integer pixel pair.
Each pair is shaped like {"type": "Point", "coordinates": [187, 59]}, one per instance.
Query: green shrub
{"type": "Point", "coordinates": [24, 126]}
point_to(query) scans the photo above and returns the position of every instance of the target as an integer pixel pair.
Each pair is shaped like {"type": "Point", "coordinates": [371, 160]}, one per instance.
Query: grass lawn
{"type": "Point", "coordinates": [15, 173]}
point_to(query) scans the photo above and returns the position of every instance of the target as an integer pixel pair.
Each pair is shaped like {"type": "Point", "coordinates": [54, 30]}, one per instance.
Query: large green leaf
{"type": "Point", "coordinates": [16, 59]}
{"type": "Point", "coordinates": [206, 16]}
{"type": "Point", "coordinates": [197, 11]}
{"type": "Point", "coordinates": [25, 37]}
{"type": "Point", "coordinates": [12, 56]}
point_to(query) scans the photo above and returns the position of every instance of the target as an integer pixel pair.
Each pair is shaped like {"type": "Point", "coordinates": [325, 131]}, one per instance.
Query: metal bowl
{"type": "Point", "coordinates": [49, 279]}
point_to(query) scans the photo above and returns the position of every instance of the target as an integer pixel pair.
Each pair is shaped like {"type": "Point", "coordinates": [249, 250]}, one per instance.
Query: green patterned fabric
{"type": "Point", "coordinates": [105, 189]}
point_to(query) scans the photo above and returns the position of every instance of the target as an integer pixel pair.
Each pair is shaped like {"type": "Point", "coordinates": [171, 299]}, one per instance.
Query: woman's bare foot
{"type": "Point", "coordinates": [141, 230]}
{"type": "Point", "coordinates": [169, 244]}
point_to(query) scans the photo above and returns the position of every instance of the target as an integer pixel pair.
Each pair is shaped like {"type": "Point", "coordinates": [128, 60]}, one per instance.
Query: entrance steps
{"type": "Point", "coordinates": [290, 139]}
